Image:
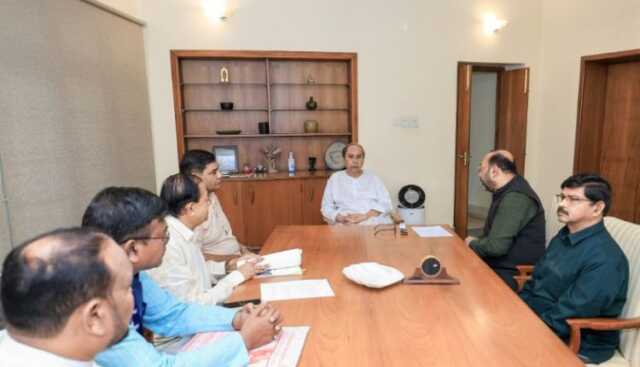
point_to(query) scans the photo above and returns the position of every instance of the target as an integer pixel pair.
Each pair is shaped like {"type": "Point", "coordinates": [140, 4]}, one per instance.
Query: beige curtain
{"type": "Point", "coordinates": [74, 111]}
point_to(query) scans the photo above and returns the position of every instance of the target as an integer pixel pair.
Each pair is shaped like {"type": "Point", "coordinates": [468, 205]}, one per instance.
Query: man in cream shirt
{"type": "Point", "coordinates": [355, 196]}
{"type": "Point", "coordinates": [66, 297]}
{"type": "Point", "coordinates": [215, 234]}
{"type": "Point", "coordinates": [184, 271]}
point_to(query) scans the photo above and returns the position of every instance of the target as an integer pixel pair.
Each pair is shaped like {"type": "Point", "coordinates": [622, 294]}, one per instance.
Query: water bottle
{"type": "Point", "coordinates": [291, 163]}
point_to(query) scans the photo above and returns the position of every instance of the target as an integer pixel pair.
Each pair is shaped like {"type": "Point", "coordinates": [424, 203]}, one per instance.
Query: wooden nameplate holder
{"type": "Point", "coordinates": [419, 278]}
{"type": "Point", "coordinates": [430, 272]}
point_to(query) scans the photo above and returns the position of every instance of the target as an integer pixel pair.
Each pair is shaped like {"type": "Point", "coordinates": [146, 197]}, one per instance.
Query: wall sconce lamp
{"type": "Point", "coordinates": [217, 10]}
{"type": "Point", "coordinates": [492, 24]}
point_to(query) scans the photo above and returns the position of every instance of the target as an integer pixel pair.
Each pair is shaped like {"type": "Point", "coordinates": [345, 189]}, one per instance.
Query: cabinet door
{"type": "Point", "coordinates": [268, 204]}
{"type": "Point", "coordinates": [230, 196]}
{"type": "Point", "coordinates": [313, 189]}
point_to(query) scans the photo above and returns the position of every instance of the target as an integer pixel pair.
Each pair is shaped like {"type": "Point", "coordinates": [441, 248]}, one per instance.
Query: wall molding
{"type": "Point", "coordinates": [114, 11]}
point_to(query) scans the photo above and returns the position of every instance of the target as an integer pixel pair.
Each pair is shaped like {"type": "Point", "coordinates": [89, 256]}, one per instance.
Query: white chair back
{"type": "Point", "coordinates": [627, 235]}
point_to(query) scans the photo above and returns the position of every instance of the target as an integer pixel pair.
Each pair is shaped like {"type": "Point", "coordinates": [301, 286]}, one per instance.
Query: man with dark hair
{"type": "Point", "coordinates": [135, 218]}
{"type": "Point", "coordinates": [584, 273]}
{"type": "Point", "coordinates": [184, 271]}
{"type": "Point", "coordinates": [355, 196]}
{"type": "Point", "coordinates": [214, 235]}
{"type": "Point", "coordinates": [514, 231]}
{"type": "Point", "coordinates": [66, 296]}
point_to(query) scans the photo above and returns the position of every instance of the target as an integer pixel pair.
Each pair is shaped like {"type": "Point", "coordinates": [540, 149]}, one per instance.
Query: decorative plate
{"type": "Point", "coordinates": [333, 155]}
{"type": "Point", "coordinates": [373, 275]}
{"type": "Point", "coordinates": [228, 132]}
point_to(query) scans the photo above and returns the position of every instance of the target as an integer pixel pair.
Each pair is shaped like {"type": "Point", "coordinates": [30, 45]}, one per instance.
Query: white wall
{"type": "Point", "coordinates": [407, 56]}
{"type": "Point", "coordinates": [483, 132]}
{"type": "Point", "coordinates": [570, 29]}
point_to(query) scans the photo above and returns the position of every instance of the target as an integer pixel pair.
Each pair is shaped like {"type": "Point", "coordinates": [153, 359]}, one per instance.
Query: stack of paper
{"type": "Point", "coordinates": [281, 263]}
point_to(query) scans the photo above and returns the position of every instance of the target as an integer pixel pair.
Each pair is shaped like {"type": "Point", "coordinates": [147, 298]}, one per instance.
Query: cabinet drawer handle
{"type": "Point", "coordinates": [311, 195]}
{"type": "Point", "coordinates": [235, 198]}
{"type": "Point", "coordinates": [253, 197]}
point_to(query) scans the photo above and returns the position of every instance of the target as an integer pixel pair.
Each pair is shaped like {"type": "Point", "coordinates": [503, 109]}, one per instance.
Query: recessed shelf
{"type": "Point", "coordinates": [310, 85]}
{"type": "Point", "coordinates": [281, 135]}
{"type": "Point", "coordinates": [220, 110]}
{"type": "Point", "coordinates": [224, 84]}
{"type": "Point", "coordinates": [306, 110]}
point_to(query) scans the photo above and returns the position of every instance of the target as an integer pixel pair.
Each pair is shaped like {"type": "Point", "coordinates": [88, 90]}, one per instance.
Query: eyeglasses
{"type": "Point", "coordinates": [571, 200]}
{"type": "Point", "coordinates": [384, 227]}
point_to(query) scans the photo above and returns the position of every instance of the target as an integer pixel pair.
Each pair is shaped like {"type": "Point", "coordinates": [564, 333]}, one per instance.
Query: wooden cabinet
{"type": "Point", "coordinates": [231, 200]}
{"type": "Point", "coordinates": [312, 191]}
{"type": "Point", "coordinates": [268, 204]}
{"type": "Point", "coordinates": [257, 206]}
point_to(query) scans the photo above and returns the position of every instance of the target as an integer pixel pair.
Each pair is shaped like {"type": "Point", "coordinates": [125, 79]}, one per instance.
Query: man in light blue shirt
{"type": "Point", "coordinates": [135, 219]}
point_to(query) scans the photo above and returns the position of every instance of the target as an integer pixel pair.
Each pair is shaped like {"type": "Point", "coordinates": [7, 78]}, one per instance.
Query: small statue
{"type": "Point", "coordinates": [310, 79]}
{"type": "Point", "coordinates": [271, 153]}
{"type": "Point", "coordinates": [224, 75]}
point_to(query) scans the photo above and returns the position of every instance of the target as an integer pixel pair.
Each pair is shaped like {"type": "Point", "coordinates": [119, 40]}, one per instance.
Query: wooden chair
{"type": "Point", "coordinates": [627, 235]}
{"type": "Point", "coordinates": [524, 274]}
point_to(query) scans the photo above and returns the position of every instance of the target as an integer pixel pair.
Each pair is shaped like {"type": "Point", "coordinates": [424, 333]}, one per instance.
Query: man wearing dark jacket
{"type": "Point", "coordinates": [514, 231]}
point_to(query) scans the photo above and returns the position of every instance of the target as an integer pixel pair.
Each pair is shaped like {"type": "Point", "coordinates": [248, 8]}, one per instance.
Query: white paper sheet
{"type": "Point", "coordinates": [432, 231]}
{"type": "Point", "coordinates": [295, 289]}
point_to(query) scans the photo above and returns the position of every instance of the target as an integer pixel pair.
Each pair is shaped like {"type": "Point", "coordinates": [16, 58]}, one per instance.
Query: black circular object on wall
{"type": "Point", "coordinates": [411, 196]}
{"type": "Point", "coordinates": [430, 266]}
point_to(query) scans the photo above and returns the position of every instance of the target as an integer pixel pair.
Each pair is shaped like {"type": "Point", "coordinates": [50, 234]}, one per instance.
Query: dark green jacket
{"type": "Point", "coordinates": [584, 274]}
{"type": "Point", "coordinates": [514, 232]}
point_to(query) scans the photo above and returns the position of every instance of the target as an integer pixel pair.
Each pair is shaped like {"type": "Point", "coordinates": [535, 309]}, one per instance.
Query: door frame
{"type": "Point", "coordinates": [591, 62]}
{"type": "Point", "coordinates": [463, 131]}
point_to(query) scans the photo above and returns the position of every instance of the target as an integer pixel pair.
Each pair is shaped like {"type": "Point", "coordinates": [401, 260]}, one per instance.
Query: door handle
{"type": "Point", "coordinates": [235, 197]}
{"type": "Point", "coordinates": [253, 196]}
{"type": "Point", "coordinates": [311, 195]}
{"type": "Point", "coordinates": [465, 158]}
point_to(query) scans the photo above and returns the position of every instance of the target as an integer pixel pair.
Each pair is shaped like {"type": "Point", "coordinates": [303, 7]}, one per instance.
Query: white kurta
{"type": "Point", "coordinates": [186, 274]}
{"type": "Point", "coordinates": [347, 195]}
{"type": "Point", "coordinates": [214, 235]}
{"type": "Point", "coordinates": [15, 354]}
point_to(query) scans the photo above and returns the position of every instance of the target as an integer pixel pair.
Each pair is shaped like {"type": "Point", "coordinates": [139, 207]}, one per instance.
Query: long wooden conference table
{"type": "Point", "coordinates": [479, 322]}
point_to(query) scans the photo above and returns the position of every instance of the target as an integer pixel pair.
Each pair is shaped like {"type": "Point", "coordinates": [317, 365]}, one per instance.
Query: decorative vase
{"type": "Point", "coordinates": [311, 126]}
{"type": "Point", "coordinates": [312, 104]}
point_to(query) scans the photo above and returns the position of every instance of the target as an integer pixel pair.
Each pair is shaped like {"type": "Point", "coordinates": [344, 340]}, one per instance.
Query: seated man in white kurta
{"type": "Point", "coordinates": [184, 272]}
{"type": "Point", "coordinates": [214, 235]}
{"type": "Point", "coordinates": [354, 196]}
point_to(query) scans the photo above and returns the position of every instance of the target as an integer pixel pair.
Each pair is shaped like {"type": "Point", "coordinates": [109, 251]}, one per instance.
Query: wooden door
{"type": "Point", "coordinates": [511, 122]}
{"type": "Point", "coordinates": [267, 204]}
{"type": "Point", "coordinates": [620, 153]}
{"type": "Point", "coordinates": [462, 157]}
{"type": "Point", "coordinates": [230, 196]}
{"type": "Point", "coordinates": [312, 192]}
{"type": "Point", "coordinates": [608, 130]}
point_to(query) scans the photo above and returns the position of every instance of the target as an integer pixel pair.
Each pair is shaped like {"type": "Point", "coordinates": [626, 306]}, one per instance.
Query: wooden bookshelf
{"type": "Point", "coordinates": [271, 86]}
